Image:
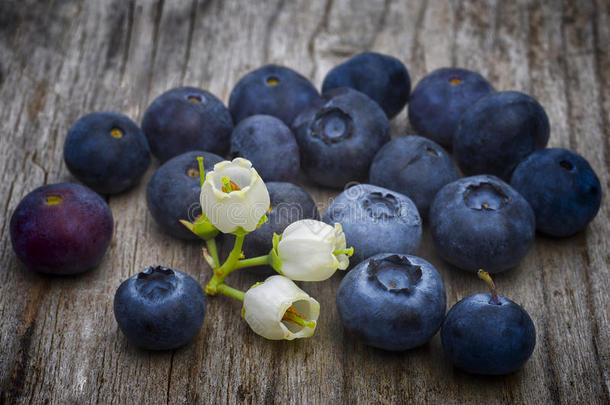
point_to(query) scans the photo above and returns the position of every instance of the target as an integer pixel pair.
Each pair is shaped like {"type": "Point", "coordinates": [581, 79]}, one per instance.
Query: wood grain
{"type": "Point", "coordinates": [59, 341]}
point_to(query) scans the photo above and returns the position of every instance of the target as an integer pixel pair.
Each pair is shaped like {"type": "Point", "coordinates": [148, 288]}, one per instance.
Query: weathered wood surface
{"type": "Point", "coordinates": [59, 341]}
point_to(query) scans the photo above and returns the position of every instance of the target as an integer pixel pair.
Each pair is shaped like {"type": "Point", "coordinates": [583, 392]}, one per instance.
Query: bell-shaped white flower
{"type": "Point", "coordinates": [278, 309]}
{"type": "Point", "coordinates": [310, 250]}
{"type": "Point", "coordinates": [234, 196]}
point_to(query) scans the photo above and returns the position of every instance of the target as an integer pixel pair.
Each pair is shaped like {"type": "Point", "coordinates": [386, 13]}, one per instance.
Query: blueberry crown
{"type": "Point", "coordinates": [331, 125]}
{"type": "Point", "coordinates": [485, 196]}
{"type": "Point", "coordinates": [381, 206]}
{"type": "Point", "coordinates": [156, 282]}
{"type": "Point", "coordinates": [395, 274]}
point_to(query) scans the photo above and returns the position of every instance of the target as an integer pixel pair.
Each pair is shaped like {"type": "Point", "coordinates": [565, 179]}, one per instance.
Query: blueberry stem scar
{"type": "Point", "coordinates": [230, 292]}
{"type": "Point", "coordinates": [483, 275]}
{"type": "Point", "coordinates": [253, 261]}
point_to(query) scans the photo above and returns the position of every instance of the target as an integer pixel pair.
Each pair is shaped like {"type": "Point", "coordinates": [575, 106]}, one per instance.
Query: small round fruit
{"type": "Point", "coordinates": [381, 77]}
{"type": "Point", "coordinates": [185, 119]}
{"type": "Point", "coordinates": [498, 132]}
{"type": "Point", "coordinates": [289, 203]}
{"type": "Point", "coordinates": [376, 220]}
{"type": "Point", "coordinates": [561, 187]}
{"type": "Point", "coordinates": [173, 192]}
{"type": "Point", "coordinates": [106, 151]}
{"type": "Point", "coordinates": [441, 98]}
{"type": "Point", "coordinates": [338, 136]}
{"type": "Point", "coordinates": [392, 301]}
{"type": "Point", "coordinates": [482, 222]}
{"type": "Point", "coordinates": [62, 228]}
{"type": "Point", "coordinates": [481, 336]}
{"type": "Point", "coordinates": [159, 308]}
{"type": "Point", "coordinates": [414, 166]}
{"type": "Point", "coordinates": [271, 90]}
{"type": "Point", "coordinates": [269, 144]}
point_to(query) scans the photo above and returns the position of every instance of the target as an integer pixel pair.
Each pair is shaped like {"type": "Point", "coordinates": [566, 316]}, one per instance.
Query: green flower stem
{"type": "Point", "coordinates": [253, 261]}
{"type": "Point", "coordinates": [228, 266]}
{"type": "Point", "coordinates": [201, 170]}
{"type": "Point", "coordinates": [211, 244]}
{"type": "Point", "coordinates": [231, 292]}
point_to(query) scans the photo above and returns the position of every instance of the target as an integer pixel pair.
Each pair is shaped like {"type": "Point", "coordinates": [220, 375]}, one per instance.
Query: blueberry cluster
{"type": "Point", "coordinates": [280, 123]}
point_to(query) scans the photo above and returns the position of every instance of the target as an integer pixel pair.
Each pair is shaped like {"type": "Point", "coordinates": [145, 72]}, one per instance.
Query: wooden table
{"type": "Point", "coordinates": [61, 59]}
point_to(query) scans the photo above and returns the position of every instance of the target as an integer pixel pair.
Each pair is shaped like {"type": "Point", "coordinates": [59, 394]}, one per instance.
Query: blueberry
{"type": "Point", "coordinates": [381, 77]}
{"type": "Point", "coordinates": [271, 90]}
{"type": "Point", "coordinates": [392, 301]}
{"type": "Point", "coordinates": [376, 220]}
{"type": "Point", "coordinates": [185, 119]}
{"type": "Point", "coordinates": [106, 151]}
{"type": "Point", "coordinates": [561, 187]}
{"type": "Point", "coordinates": [62, 228]}
{"type": "Point", "coordinates": [441, 98]}
{"type": "Point", "coordinates": [289, 203]}
{"type": "Point", "coordinates": [269, 144]}
{"type": "Point", "coordinates": [481, 336]}
{"type": "Point", "coordinates": [498, 132]}
{"type": "Point", "coordinates": [173, 192]}
{"type": "Point", "coordinates": [481, 222]}
{"type": "Point", "coordinates": [338, 136]}
{"type": "Point", "coordinates": [414, 166]}
{"type": "Point", "coordinates": [159, 308]}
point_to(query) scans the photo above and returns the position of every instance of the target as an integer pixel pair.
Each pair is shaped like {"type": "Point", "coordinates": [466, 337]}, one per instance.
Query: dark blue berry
{"type": "Point", "coordinates": [482, 336]}
{"type": "Point", "coordinates": [561, 187]}
{"type": "Point", "coordinates": [173, 192]}
{"type": "Point", "coordinates": [271, 90]}
{"type": "Point", "coordinates": [338, 136]}
{"type": "Point", "coordinates": [381, 77]}
{"type": "Point", "coordinates": [414, 166]}
{"type": "Point", "coordinates": [159, 308]}
{"type": "Point", "coordinates": [289, 203]}
{"type": "Point", "coordinates": [269, 144]}
{"type": "Point", "coordinates": [106, 151]}
{"type": "Point", "coordinates": [376, 220]}
{"type": "Point", "coordinates": [62, 228]}
{"type": "Point", "coordinates": [481, 222]}
{"type": "Point", "coordinates": [441, 98]}
{"type": "Point", "coordinates": [498, 132]}
{"type": "Point", "coordinates": [392, 301]}
{"type": "Point", "coordinates": [185, 119]}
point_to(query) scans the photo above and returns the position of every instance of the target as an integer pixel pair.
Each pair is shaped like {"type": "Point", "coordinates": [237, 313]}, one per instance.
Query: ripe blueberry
{"type": "Point", "coordinates": [441, 98]}
{"type": "Point", "coordinates": [414, 166]}
{"type": "Point", "coordinates": [561, 187]}
{"type": "Point", "coordinates": [159, 308]}
{"type": "Point", "coordinates": [499, 131]}
{"type": "Point", "coordinates": [381, 77]}
{"type": "Point", "coordinates": [269, 144]}
{"type": "Point", "coordinates": [338, 136]}
{"type": "Point", "coordinates": [106, 151]}
{"type": "Point", "coordinates": [376, 220]}
{"type": "Point", "coordinates": [392, 301]}
{"type": "Point", "coordinates": [185, 119]}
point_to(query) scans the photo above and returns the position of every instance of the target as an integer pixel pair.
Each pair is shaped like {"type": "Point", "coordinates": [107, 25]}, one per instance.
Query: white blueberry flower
{"type": "Point", "coordinates": [310, 250]}
{"type": "Point", "coordinates": [278, 309]}
{"type": "Point", "coordinates": [234, 196]}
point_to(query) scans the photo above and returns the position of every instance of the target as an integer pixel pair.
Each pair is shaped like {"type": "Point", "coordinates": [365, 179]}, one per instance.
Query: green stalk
{"type": "Point", "coordinates": [253, 261]}
{"type": "Point", "coordinates": [230, 292]}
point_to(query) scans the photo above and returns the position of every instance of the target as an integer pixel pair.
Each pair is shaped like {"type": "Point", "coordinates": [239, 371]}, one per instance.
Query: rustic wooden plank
{"type": "Point", "coordinates": [59, 60]}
